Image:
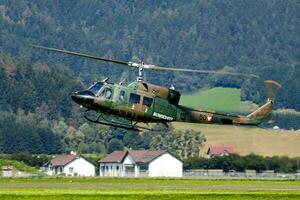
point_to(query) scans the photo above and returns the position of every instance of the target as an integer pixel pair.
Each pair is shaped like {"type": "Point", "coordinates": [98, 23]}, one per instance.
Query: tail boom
{"type": "Point", "coordinates": [255, 118]}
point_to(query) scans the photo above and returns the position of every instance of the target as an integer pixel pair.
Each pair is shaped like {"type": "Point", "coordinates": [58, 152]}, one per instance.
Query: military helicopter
{"type": "Point", "coordinates": [127, 106]}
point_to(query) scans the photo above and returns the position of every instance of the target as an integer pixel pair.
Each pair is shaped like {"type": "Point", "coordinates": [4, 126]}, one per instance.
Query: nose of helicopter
{"type": "Point", "coordinates": [83, 98]}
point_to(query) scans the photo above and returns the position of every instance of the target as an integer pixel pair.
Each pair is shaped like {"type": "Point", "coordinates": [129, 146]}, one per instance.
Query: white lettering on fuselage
{"type": "Point", "coordinates": [161, 116]}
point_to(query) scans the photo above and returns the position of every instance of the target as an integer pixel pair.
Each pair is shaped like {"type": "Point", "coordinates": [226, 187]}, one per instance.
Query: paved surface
{"type": "Point", "coordinates": [141, 186]}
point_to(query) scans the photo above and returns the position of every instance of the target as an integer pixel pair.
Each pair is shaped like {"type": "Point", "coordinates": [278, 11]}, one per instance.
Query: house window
{"type": "Point", "coordinates": [71, 169]}
{"type": "Point", "coordinates": [117, 168]}
{"type": "Point", "coordinates": [134, 98]}
{"type": "Point", "coordinates": [144, 167]}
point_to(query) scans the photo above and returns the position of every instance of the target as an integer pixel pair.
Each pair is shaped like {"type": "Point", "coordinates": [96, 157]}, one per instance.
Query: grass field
{"type": "Point", "coordinates": [220, 99]}
{"type": "Point", "coordinates": [246, 140]}
{"type": "Point", "coordinates": [129, 188]}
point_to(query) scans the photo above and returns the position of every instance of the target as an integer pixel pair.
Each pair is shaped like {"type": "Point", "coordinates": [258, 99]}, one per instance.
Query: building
{"type": "Point", "coordinates": [219, 151]}
{"type": "Point", "coordinates": [8, 171]}
{"type": "Point", "coordinates": [70, 165]}
{"type": "Point", "coordinates": [152, 163]}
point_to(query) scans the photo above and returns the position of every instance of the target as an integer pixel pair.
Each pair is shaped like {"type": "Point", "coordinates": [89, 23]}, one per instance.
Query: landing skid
{"type": "Point", "coordinates": [107, 122]}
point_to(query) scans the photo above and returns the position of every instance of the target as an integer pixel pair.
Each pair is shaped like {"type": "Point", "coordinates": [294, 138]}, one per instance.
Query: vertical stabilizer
{"type": "Point", "coordinates": [272, 88]}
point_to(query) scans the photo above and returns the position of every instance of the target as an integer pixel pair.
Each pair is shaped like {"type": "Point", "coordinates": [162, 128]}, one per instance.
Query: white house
{"type": "Point", "coordinates": [152, 163]}
{"type": "Point", "coordinates": [70, 165]}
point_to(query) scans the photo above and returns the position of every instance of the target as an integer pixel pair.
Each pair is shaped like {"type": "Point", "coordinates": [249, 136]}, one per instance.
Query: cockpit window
{"type": "Point", "coordinates": [96, 87]}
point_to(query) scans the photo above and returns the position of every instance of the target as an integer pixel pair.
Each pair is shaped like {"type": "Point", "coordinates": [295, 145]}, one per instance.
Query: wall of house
{"type": "Point", "coordinates": [119, 169]}
{"type": "Point", "coordinates": [165, 165]}
{"type": "Point", "coordinates": [111, 169]}
{"type": "Point", "coordinates": [81, 167]}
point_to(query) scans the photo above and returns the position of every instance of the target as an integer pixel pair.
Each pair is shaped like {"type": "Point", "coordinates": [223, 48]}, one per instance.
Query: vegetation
{"type": "Point", "coordinates": [248, 140]}
{"type": "Point", "coordinates": [260, 37]}
{"type": "Point", "coordinates": [28, 159]}
{"type": "Point", "coordinates": [242, 163]}
{"type": "Point", "coordinates": [229, 100]}
{"type": "Point", "coordinates": [20, 166]}
{"type": "Point", "coordinates": [219, 99]}
{"type": "Point", "coordinates": [36, 115]}
{"type": "Point", "coordinates": [75, 188]}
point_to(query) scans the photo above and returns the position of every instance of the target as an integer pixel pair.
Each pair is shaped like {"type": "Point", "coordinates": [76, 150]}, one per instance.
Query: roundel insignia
{"type": "Point", "coordinates": [209, 118]}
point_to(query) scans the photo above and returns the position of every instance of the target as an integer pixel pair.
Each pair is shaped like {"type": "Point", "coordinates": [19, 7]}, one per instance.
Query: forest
{"type": "Point", "coordinates": [260, 37]}
{"type": "Point", "coordinates": [38, 116]}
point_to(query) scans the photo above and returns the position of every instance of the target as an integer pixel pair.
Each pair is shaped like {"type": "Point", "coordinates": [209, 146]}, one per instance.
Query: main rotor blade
{"type": "Point", "coordinates": [141, 65]}
{"type": "Point", "coordinates": [198, 71]}
{"type": "Point", "coordinates": [81, 55]}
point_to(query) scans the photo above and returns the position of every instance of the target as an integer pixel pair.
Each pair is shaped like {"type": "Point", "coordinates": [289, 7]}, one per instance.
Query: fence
{"type": "Point", "coordinates": [250, 174]}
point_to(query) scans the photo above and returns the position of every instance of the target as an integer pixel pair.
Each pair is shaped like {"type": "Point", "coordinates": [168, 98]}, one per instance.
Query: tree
{"type": "Point", "coordinates": [115, 144]}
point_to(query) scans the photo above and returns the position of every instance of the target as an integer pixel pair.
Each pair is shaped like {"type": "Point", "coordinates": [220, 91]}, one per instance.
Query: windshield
{"type": "Point", "coordinates": [96, 87]}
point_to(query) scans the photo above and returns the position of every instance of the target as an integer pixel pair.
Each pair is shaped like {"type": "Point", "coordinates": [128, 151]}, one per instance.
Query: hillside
{"type": "Point", "coordinates": [260, 37]}
{"type": "Point", "coordinates": [218, 99]}
{"type": "Point", "coordinates": [19, 166]}
{"type": "Point", "coordinates": [265, 142]}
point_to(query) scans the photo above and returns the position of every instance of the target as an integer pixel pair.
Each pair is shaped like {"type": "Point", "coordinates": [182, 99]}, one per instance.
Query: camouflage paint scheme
{"type": "Point", "coordinates": [144, 102]}
{"type": "Point", "coordinates": [128, 102]}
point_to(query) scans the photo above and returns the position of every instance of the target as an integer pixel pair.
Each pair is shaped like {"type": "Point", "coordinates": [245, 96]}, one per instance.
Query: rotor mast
{"type": "Point", "coordinates": [140, 66]}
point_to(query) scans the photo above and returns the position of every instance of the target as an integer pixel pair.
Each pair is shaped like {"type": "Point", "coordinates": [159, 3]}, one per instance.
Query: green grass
{"type": "Point", "coordinates": [20, 166]}
{"type": "Point", "coordinates": [130, 188]}
{"type": "Point", "coordinates": [219, 99]}
{"type": "Point", "coordinates": [147, 181]}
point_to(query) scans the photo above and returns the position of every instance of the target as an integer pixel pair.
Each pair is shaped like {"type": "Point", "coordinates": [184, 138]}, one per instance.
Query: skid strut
{"type": "Point", "coordinates": [101, 120]}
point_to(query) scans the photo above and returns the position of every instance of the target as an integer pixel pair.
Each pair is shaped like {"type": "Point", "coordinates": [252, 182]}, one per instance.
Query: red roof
{"type": "Point", "coordinates": [116, 156]}
{"type": "Point", "coordinates": [62, 160]}
{"type": "Point", "coordinates": [220, 150]}
{"type": "Point", "coordinates": [139, 156]}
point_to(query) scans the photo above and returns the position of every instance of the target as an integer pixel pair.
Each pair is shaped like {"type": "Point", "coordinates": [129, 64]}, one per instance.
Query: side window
{"type": "Point", "coordinates": [134, 98]}
{"type": "Point", "coordinates": [147, 101]}
{"type": "Point", "coordinates": [122, 95]}
{"type": "Point", "coordinates": [108, 93]}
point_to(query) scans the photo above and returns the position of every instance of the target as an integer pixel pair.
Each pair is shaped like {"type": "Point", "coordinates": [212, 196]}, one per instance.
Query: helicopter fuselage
{"type": "Point", "coordinates": [144, 102]}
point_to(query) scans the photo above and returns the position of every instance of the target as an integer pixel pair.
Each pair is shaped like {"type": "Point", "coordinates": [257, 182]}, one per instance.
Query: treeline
{"type": "Point", "coordinates": [36, 88]}
{"type": "Point", "coordinates": [260, 37]}
{"type": "Point", "coordinates": [284, 119]}
{"type": "Point", "coordinates": [22, 132]}
{"type": "Point", "coordinates": [242, 163]}
{"type": "Point", "coordinates": [18, 134]}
